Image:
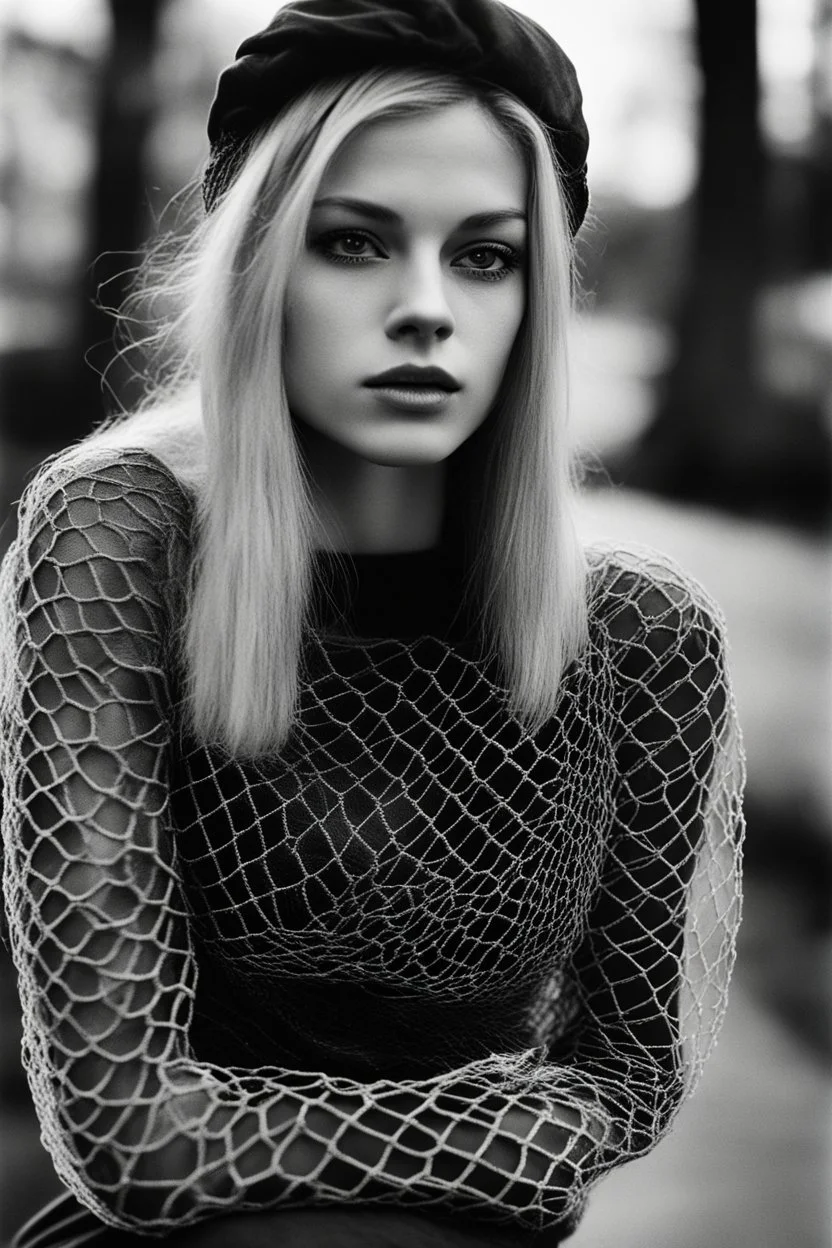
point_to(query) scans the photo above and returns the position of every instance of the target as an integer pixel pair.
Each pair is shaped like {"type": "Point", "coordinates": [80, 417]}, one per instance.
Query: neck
{"type": "Point", "coordinates": [367, 508]}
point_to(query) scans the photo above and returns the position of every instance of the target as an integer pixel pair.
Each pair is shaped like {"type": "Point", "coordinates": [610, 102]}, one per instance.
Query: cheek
{"type": "Point", "coordinates": [304, 319]}
{"type": "Point", "coordinates": [325, 326]}
{"type": "Point", "coordinates": [498, 330]}
{"type": "Point", "coordinates": [310, 338]}
{"type": "Point", "coordinates": [300, 351]}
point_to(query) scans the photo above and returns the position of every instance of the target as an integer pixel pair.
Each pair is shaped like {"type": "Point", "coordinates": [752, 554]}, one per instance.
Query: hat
{"type": "Point", "coordinates": [309, 41]}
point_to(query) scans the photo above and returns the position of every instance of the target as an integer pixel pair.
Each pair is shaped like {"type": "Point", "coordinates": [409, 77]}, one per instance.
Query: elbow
{"type": "Point", "coordinates": [563, 1199]}
{"type": "Point", "coordinates": [559, 1201]}
{"type": "Point", "coordinates": [653, 1105]}
{"type": "Point", "coordinates": [134, 1183]}
{"type": "Point", "coordinates": [122, 1193]}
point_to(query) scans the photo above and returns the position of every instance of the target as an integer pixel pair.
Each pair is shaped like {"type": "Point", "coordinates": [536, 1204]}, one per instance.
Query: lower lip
{"type": "Point", "coordinates": [413, 398]}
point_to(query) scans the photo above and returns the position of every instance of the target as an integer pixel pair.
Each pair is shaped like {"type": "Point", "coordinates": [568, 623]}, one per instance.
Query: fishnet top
{"type": "Point", "coordinates": [423, 957]}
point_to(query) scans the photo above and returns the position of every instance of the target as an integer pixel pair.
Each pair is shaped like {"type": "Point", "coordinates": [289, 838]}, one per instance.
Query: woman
{"type": "Point", "coordinates": [370, 844]}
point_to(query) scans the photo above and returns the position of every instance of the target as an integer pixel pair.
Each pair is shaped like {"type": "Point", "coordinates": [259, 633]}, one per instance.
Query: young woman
{"type": "Point", "coordinates": [371, 847]}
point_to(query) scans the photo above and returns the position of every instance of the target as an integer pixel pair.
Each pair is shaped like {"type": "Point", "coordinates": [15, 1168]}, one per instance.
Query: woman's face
{"type": "Point", "coordinates": [405, 303]}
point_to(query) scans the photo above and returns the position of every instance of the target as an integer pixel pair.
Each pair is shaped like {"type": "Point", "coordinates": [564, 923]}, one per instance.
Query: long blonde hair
{"type": "Point", "coordinates": [221, 423]}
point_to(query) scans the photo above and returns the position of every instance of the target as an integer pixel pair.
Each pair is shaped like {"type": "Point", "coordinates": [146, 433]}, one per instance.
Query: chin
{"type": "Point", "coordinates": [411, 448]}
{"type": "Point", "coordinates": [405, 459]}
{"type": "Point", "coordinates": [410, 458]}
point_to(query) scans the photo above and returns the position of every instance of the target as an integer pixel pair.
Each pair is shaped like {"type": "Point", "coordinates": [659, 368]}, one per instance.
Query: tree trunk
{"type": "Point", "coordinates": [52, 396]}
{"type": "Point", "coordinates": [710, 423]}
{"type": "Point", "coordinates": [119, 198]}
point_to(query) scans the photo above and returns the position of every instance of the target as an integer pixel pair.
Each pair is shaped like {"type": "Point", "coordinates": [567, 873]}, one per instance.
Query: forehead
{"type": "Point", "coordinates": [453, 159]}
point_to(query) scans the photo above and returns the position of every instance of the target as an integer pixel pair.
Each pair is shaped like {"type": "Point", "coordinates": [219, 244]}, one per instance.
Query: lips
{"type": "Point", "coordinates": [414, 375]}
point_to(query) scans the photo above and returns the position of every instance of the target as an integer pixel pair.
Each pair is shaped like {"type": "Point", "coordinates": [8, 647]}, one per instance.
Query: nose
{"type": "Point", "coordinates": [421, 309]}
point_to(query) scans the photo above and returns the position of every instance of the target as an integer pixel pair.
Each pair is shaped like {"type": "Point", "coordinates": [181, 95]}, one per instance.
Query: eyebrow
{"type": "Point", "coordinates": [386, 216]}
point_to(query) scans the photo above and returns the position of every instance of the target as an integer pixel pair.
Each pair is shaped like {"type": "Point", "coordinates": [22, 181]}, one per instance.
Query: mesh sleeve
{"type": "Point", "coordinates": [654, 965]}
{"type": "Point", "coordinates": [149, 1138]}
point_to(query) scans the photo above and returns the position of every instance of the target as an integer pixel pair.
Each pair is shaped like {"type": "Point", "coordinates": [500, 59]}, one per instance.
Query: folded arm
{"type": "Point", "coordinates": [659, 947]}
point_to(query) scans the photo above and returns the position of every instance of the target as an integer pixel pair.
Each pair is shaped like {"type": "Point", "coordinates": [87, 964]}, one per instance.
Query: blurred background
{"type": "Point", "coordinates": [703, 362]}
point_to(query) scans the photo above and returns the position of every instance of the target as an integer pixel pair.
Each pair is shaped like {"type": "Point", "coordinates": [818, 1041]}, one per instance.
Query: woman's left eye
{"type": "Point", "coordinates": [490, 262]}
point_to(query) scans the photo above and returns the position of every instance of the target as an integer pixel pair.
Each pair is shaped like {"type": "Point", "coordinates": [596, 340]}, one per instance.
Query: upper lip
{"type": "Point", "coordinates": [415, 375]}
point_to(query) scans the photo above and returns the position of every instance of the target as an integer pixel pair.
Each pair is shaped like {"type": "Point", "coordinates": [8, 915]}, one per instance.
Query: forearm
{"type": "Point", "coordinates": [211, 1146]}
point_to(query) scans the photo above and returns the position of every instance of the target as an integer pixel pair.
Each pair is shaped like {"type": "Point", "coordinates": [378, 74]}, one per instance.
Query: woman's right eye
{"type": "Point", "coordinates": [349, 246]}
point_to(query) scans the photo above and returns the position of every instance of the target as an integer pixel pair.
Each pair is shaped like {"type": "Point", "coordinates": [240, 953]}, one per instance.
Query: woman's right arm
{"type": "Point", "coordinates": [144, 1136]}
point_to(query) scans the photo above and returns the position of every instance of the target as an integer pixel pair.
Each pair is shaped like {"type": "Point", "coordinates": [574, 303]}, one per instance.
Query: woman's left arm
{"type": "Point", "coordinates": [652, 970]}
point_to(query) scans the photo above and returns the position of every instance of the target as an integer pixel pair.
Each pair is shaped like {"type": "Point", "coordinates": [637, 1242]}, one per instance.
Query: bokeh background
{"type": "Point", "coordinates": [702, 350]}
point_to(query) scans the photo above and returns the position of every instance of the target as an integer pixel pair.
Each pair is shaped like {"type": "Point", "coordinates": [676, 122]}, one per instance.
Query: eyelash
{"type": "Point", "coordinates": [511, 257]}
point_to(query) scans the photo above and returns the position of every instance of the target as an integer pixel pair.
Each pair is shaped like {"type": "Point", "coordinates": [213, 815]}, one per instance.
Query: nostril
{"type": "Point", "coordinates": [421, 317]}
{"type": "Point", "coordinates": [418, 328]}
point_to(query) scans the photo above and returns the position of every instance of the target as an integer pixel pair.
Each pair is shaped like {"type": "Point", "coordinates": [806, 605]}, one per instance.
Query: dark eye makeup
{"type": "Point", "coordinates": [482, 257]}
{"type": "Point", "coordinates": [482, 261]}
{"type": "Point", "coordinates": [348, 246]}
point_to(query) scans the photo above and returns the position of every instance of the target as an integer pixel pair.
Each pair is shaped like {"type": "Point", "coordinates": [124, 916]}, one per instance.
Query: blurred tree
{"type": "Point", "coordinates": [119, 199]}
{"type": "Point", "coordinates": [820, 232]}
{"type": "Point", "coordinates": [718, 435]}
{"type": "Point", "coordinates": [50, 396]}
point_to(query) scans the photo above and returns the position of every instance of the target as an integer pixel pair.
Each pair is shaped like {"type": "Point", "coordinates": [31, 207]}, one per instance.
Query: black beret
{"type": "Point", "coordinates": [309, 41]}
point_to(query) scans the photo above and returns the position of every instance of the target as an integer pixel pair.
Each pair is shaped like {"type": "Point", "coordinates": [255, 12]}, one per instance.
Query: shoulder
{"type": "Point", "coordinates": [108, 526]}
{"type": "Point", "coordinates": [646, 609]}
{"type": "Point", "coordinates": [665, 641]}
{"type": "Point", "coordinates": [111, 475]}
{"type": "Point", "coordinates": [119, 502]}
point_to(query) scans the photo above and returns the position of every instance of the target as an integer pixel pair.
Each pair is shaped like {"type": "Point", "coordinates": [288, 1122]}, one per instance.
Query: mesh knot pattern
{"type": "Point", "coordinates": [424, 958]}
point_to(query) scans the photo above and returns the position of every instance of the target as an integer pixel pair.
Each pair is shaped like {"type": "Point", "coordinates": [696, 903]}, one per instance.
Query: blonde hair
{"type": "Point", "coordinates": [221, 422]}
